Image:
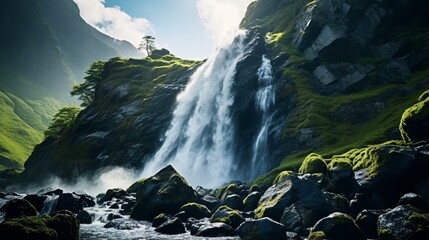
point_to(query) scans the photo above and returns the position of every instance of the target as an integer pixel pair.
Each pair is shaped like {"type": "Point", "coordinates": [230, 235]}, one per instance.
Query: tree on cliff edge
{"type": "Point", "coordinates": [147, 44]}
{"type": "Point", "coordinates": [86, 90]}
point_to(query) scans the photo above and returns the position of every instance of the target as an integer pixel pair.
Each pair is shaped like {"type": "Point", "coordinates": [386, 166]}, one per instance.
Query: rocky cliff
{"type": "Point", "coordinates": [344, 73]}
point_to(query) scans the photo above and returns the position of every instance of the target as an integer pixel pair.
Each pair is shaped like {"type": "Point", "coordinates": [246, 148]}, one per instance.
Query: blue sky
{"type": "Point", "coordinates": [188, 28]}
{"type": "Point", "coordinates": [176, 24]}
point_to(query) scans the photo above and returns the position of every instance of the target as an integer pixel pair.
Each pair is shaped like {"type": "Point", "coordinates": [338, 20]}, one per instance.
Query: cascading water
{"type": "Point", "coordinates": [199, 142]}
{"type": "Point", "coordinates": [265, 100]}
{"type": "Point", "coordinates": [49, 205]}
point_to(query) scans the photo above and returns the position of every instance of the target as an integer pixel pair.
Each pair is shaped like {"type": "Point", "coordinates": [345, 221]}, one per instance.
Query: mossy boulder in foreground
{"type": "Point", "coordinates": [59, 226]}
{"type": "Point", "coordinates": [313, 163]}
{"type": "Point", "coordinates": [194, 210]}
{"type": "Point", "coordinates": [165, 192]}
{"type": "Point", "coordinates": [414, 125]}
{"type": "Point", "coordinates": [261, 229]}
{"type": "Point", "coordinates": [18, 208]}
{"type": "Point", "coordinates": [227, 215]}
{"type": "Point", "coordinates": [339, 226]}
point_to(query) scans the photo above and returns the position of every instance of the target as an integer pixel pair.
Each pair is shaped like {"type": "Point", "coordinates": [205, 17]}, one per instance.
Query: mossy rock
{"type": "Point", "coordinates": [283, 175]}
{"type": "Point", "coordinates": [59, 226]}
{"type": "Point", "coordinates": [18, 208]}
{"type": "Point", "coordinates": [261, 229]}
{"type": "Point", "coordinates": [227, 215]}
{"type": "Point", "coordinates": [195, 210]}
{"type": "Point", "coordinates": [313, 163]}
{"type": "Point", "coordinates": [226, 190]}
{"type": "Point", "coordinates": [338, 226]}
{"type": "Point", "coordinates": [318, 235]}
{"type": "Point", "coordinates": [165, 192]}
{"type": "Point", "coordinates": [414, 125]}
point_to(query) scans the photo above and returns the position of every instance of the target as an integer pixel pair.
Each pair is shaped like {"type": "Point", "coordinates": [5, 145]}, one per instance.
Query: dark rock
{"type": "Point", "coordinates": [227, 215]}
{"type": "Point", "coordinates": [88, 201]}
{"type": "Point", "coordinates": [209, 201]}
{"type": "Point", "coordinates": [255, 188]}
{"type": "Point", "coordinates": [215, 230]}
{"type": "Point", "coordinates": [114, 206]}
{"type": "Point", "coordinates": [249, 214]}
{"type": "Point", "coordinates": [52, 192]}
{"type": "Point", "coordinates": [36, 200]}
{"type": "Point", "coordinates": [293, 189]}
{"type": "Point", "coordinates": [85, 217]}
{"type": "Point", "coordinates": [194, 210]}
{"type": "Point", "coordinates": [250, 203]}
{"type": "Point", "coordinates": [341, 178]}
{"type": "Point", "coordinates": [233, 201]}
{"type": "Point", "coordinates": [113, 216]}
{"type": "Point", "coordinates": [201, 192]}
{"type": "Point", "coordinates": [58, 226]}
{"type": "Point", "coordinates": [404, 222]}
{"type": "Point", "coordinates": [261, 229]}
{"type": "Point", "coordinates": [159, 220]}
{"type": "Point", "coordinates": [117, 193]}
{"type": "Point", "coordinates": [16, 208]}
{"type": "Point", "coordinates": [414, 125]}
{"type": "Point", "coordinates": [171, 226]}
{"type": "Point", "coordinates": [293, 236]}
{"type": "Point", "coordinates": [367, 222]}
{"type": "Point", "coordinates": [165, 192]}
{"type": "Point", "coordinates": [339, 226]}
{"type": "Point", "coordinates": [127, 208]}
{"type": "Point", "coordinates": [414, 200]}
{"type": "Point", "coordinates": [122, 225]}
{"type": "Point", "coordinates": [296, 219]}
{"type": "Point", "coordinates": [159, 53]}
{"type": "Point", "coordinates": [69, 201]}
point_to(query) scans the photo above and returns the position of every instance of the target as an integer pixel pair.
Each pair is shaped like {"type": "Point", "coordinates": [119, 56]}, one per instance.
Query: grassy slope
{"type": "Point", "coordinates": [316, 110]}
{"type": "Point", "coordinates": [21, 129]}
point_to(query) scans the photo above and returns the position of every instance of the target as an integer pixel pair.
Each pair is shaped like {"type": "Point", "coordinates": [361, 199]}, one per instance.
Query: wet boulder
{"type": "Point", "coordinates": [18, 208]}
{"type": "Point", "coordinates": [261, 229]}
{"type": "Point", "coordinates": [171, 226]}
{"type": "Point", "coordinates": [70, 202]}
{"type": "Point", "coordinates": [413, 200]}
{"type": "Point", "coordinates": [339, 226]}
{"type": "Point", "coordinates": [227, 215]}
{"type": "Point", "coordinates": [367, 222]}
{"type": "Point", "coordinates": [85, 217]}
{"type": "Point", "coordinates": [233, 201]}
{"type": "Point", "coordinates": [165, 192]}
{"type": "Point", "coordinates": [404, 222]}
{"type": "Point", "coordinates": [209, 201]}
{"type": "Point", "coordinates": [36, 200]}
{"type": "Point", "coordinates": [250, 203]}
{"type": "Point", "coordinates": [195, 210]}
{"type": "Point", "coordinates": [117, 193]}
{"type": "Point", "coordinates": [159, 220]}
{"type": "Point", "coordinates": [414, 125]}
{"type": "Point", "coordinates": [58, 226]}
{"type": "Point", "coordinates": [215, 230]}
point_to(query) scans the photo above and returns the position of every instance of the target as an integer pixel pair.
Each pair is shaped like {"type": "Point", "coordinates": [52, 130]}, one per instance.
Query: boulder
{"type": "Point", "coordinates": [117, 193]}
{"type": "Point", "coordinates": [159, 220]}
{"type": "Point", "coordinates": [71, 202]}
{"type": "Point", "coordinates": [404, 222]}
{"type": "Point", "coordinates": [18, 208]}
{"type": "Point", "coordinates": [250, 203]}
{"type": "Point", "coordinates": [313, 163]}
{"type": "Point", "coordinates": [261, 229]}
{"type": "Point", "coordinates": [413, 200]}
{"type": "Point", "coordinates": [233, 201]}
{"type": "Point", "coordinates": [414, 125]}
{"type": "Point", "coordinates": [165, 192]}
{"type": "Point", "coordinates": [195, 210]}
{"type": "Point", "coordinates": [302, 191]}
{"type": "Point", "coordinates": [159, 53]}
{"type": "Point", "coordinates": [36, 200]}
{"type": "Point", "coordinates": [215, 230]}
{"type": "Point", "coordinates": [171, 226]}
{"type": "Point", "coordinates": [367, 222]}
{"type": "Point", "coordinates": [209, 201]}
{"type": "Point", "coordinates": [58, 226]}
{"type": "Point", "coordinates": [121, 224]}
{"type": "Point", "coordinates": [338, 226]}
{"type": "Point", "coordinates": [85, 217]}
{"type": "Point", "coordinates": [227, 215]}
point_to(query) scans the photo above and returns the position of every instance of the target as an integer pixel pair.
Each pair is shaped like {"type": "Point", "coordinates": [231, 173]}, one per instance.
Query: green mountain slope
{"type": "Point", "coordinates": [45, 48]}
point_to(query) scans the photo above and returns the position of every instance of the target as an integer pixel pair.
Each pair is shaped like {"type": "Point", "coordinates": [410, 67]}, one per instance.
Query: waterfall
{"type": "Point", "coordinates": [50, 204]}
{"type": "Point", "coordinates": [199, 142]}
{"type": "Point", "coordinates": [265, 100]}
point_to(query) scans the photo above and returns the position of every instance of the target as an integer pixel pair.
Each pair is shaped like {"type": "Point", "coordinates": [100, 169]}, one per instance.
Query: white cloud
{"type": "Point", "coordinates": [113, 21]}
{"type": "Point", "coordinates": [222, 17]}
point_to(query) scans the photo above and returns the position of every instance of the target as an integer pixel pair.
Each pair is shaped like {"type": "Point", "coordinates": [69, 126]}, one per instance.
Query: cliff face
{"type": "Point", "coordinates": [344, 71]}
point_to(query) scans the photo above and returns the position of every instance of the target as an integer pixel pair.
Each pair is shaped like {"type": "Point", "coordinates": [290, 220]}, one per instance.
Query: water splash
{"type": "Point", "coordinates": [265, 100]}
{"type": "Point", "coordinates": [199, 142]}
{"type": "Point", "coordinates": [49, 205]}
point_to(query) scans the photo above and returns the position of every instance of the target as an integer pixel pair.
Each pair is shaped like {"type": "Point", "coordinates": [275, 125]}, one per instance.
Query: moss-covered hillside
{"type": "Point", "coordinates": [133, 103]}
{"type": "Point", "coordinates": [351, 69]}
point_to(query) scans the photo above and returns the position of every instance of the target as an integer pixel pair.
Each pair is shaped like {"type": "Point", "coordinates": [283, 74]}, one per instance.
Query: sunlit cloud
{"type": "Point", "coordinates": [113, 21]}
{"type": "Point", "coordinates": [222, 16]}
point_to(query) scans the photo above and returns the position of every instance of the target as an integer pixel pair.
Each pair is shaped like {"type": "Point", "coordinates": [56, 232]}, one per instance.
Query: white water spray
{"type": "Point", "coordinates": [199, 142]}
{"type": "Point", "coordinates": [265, 100]}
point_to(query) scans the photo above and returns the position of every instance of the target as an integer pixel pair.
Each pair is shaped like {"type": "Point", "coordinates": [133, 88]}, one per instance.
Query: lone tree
{"type": "Point", "coordinates": [86, 90]}
{"type": "Point", "coordinates": [147, 44]}
{"type": "Point", "coordinates": [62, 121]}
